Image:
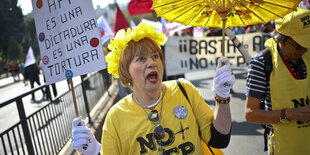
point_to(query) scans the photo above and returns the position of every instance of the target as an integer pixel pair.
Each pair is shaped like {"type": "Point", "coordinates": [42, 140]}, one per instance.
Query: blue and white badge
{"type": "Point", "coordinates": [180, 112]}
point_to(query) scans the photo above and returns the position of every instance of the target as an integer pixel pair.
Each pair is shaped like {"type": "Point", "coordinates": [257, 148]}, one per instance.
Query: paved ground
{"type": "Point", "coordinates": [7, 81]}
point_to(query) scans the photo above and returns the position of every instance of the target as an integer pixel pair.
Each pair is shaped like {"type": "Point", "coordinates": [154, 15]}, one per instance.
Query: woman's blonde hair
{"type": "Point", "coordinates": [143, 46]}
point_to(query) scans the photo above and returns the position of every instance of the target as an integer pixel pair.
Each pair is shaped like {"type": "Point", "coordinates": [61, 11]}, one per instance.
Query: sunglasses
{"type": "Point", "coordinates": [294, 44]}
{"type": "Point", "coordinates": [159, 131]}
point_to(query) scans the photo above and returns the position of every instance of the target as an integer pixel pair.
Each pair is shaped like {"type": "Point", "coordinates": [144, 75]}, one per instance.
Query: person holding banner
{"type": "Point", "coordinates": [281, 83]}
{"type": "Point", "coordinates": [157, 117]}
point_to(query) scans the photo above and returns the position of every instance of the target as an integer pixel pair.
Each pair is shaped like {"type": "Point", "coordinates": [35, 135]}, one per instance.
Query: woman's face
{"type": "Point", "coordinates": [146, 71]}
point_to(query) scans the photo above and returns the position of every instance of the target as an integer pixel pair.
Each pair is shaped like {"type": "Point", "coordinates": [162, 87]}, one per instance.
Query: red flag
{"type": "Point", "coordinates": [136, 7]}
{"type": "Point", "coordinates": [120, 20]}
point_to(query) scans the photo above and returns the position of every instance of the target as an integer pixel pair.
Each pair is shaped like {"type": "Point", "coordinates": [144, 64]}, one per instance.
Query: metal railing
{"type": "Point", "coordinates": [48, 129]}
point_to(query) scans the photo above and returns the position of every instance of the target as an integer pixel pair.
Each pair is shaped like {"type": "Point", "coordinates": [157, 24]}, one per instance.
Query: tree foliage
{"type": "Point", "coordinates": [11, 19]}
{"type": "Point", "coordinates": [15, 49]}
{"type": "Point", "coordinates": [30, 36]}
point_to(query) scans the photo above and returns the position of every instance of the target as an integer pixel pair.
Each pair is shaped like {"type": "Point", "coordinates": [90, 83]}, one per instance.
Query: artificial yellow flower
{"type": "Point", "coordinates": [122, 38]}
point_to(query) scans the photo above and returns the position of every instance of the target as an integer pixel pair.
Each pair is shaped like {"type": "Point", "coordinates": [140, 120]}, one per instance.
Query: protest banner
{"type": "Point", "coordinates": [188, 54]}
{"type": "Point", "coordinates": [69, 40]}
{"type": "Point", "coordinates": [68, 37]}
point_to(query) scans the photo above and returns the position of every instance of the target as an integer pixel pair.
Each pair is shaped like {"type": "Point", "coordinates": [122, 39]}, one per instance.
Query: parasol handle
{"type": "Point", "coordinates": [224, 20]}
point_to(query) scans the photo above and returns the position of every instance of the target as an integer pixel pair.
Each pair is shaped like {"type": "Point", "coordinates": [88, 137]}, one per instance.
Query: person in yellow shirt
{"type": "Point", "coordinates": [285, 93]}
{"type": "Point", "coordinates": [157, 117]}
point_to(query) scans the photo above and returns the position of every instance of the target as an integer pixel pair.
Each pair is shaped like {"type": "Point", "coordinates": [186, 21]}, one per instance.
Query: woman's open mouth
{"type": "Point", "coordinates": [152, 77]}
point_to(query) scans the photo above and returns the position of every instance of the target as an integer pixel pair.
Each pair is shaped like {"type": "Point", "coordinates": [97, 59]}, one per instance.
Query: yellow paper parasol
{"type": "Point", "coordinates": [223, 13]}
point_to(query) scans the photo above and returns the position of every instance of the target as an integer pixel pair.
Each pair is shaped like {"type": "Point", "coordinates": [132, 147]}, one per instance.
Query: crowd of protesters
{"type": "Point", "coordinates": [14, 69]}
{"type": "Point", "coordinates": [216, 31]}
{"type": "Point", "coordinates": [17, 70]}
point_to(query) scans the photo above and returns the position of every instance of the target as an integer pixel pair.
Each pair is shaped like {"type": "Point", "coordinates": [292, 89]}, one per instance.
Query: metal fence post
{"type": "Point", "coordinates": [106, 79]}
{"type": "Point", "coordinates": [23, 120]}
{"type": "Point", "coordinates": [85, 99]}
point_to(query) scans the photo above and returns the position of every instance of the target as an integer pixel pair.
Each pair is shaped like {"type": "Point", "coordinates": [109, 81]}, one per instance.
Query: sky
{"type": "Point", "coordinates": [27, 6]}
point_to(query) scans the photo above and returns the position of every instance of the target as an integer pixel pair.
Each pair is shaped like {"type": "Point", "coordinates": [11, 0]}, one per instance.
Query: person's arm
{"type": "Point", "coordinates": [257, 89]}
{"type": "Point", "coordinates": [223, 82]}
{"type": "Point", "coordinates": [301, 114]}
{"type": "Point", "coordinates": [222, 118]}
{"type": "Point", "coordinates": [221, 125]}
{"type": "Point", "coordinates": [256, 115]}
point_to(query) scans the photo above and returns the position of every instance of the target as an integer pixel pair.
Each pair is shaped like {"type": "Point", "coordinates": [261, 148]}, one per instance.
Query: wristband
{"type": "Point", "coordinates": [222, 100]}
{"type": "Point", "coordinates": [283, 118]}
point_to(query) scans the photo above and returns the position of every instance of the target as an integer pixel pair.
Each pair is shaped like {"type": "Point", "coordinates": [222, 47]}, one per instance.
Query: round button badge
{"type": "Point", "coordinates": [45, 60]}
{"type": "Point", "coordinates": [94, 42]}
{"type": "Point", "coordinates": [180, 112]}
{"type": "Point", "coordinates": [69, 74]}
{"type": "Point", "coordinates": [41, 36]}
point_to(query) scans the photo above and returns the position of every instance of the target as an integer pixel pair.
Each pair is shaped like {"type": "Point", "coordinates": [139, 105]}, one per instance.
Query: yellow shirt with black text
{"type": "Point", "coordinates": [128, 131]}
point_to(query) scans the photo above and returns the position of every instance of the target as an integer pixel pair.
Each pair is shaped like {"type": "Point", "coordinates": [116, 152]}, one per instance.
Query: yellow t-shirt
{"type": "Point", "coordinates": [128, 131]}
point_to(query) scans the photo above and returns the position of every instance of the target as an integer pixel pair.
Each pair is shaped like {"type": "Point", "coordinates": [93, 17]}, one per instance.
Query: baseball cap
{"type": "Point", "coordinates": [296, 25]}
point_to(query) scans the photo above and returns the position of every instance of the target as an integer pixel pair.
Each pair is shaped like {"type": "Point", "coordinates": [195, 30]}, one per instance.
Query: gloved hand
{"type": "Point", "coordinates": [223, 79]}
{"type": "Point", "coordinates": [83, 140]}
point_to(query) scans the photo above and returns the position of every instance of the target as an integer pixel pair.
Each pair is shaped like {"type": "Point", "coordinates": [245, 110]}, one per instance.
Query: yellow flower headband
{"type": "Point", "coordinates": [122, 38]}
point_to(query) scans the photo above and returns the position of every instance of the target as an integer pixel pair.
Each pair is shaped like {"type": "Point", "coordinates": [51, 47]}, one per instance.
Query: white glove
{"type": "Point", "coordinates": [83, 140]}
{"type": "Point", "coordinates": [223, 79]}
